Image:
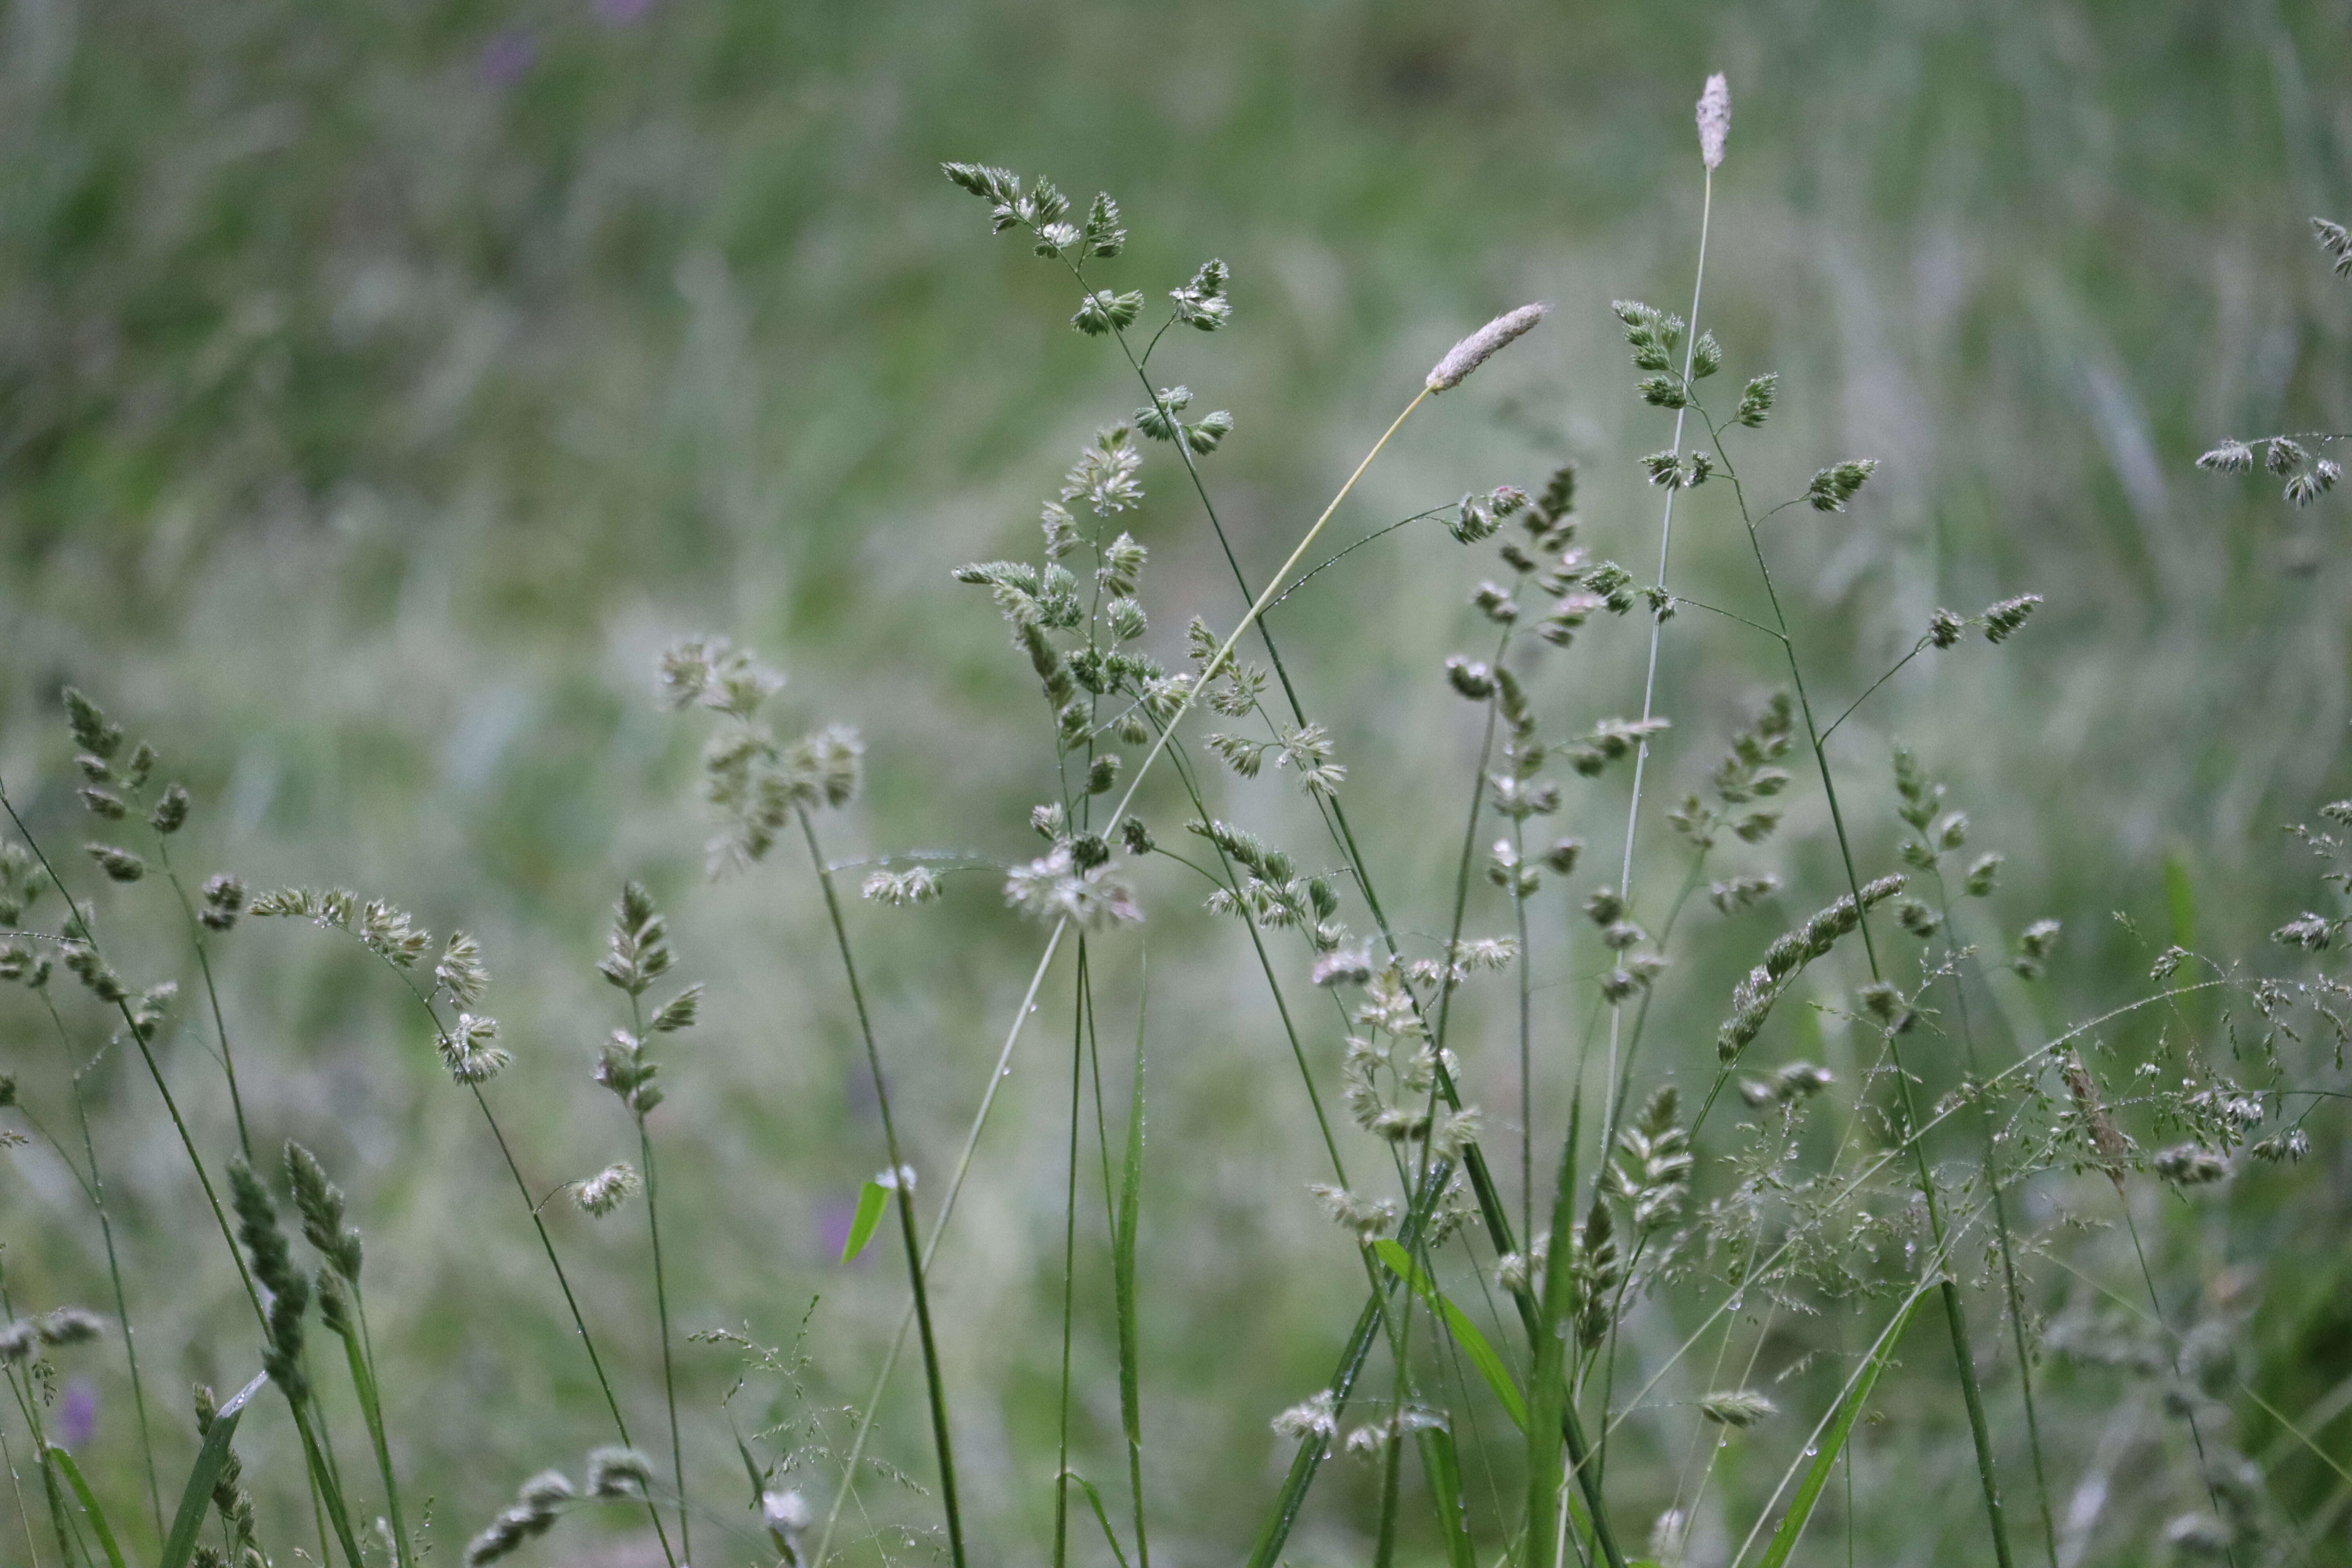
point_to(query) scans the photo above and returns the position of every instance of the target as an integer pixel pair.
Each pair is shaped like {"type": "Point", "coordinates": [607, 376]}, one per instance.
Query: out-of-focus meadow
{"type": "Point", "coordinates": [381, 386]}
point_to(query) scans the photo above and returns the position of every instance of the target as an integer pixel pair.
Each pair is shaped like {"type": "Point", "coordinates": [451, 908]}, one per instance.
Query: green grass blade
{"type": "Point", "coordinates": [1442, 1466]}
{"type": "Point", "coordinates": [89, 1500]}
{"type": "Point", "coordinates": [372, 1413]}
{"type": "Point", "coordinates": [1095, 1497]}
{"type": "Point", "coordinates": [330, 1490]}
{"type": "Point", "coordinates": [1466, 1333]}
{"type": "Point", "coordinates": [872, 1198]}
{"type": "Point", "coordinates": [197, 1495]}
{"type": "Point", "coordinates": [1817, 1474]}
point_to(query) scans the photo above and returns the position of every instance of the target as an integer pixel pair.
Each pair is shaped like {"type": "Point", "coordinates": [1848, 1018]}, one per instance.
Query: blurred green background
{"type": "Point", "coordinates": [382, 385]}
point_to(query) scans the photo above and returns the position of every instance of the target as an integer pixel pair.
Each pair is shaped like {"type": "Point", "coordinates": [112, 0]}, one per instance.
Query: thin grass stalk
{"type": "Point", "coordinates": [2156, 1308]}
{"type": "Point", "coordinates": [1650, 677]}
{"type": "Point", "coordinates": [2001, 1232]}
{"type": "Point", "coordinates": [1257, 608]}
{"type": "Point", "coordinates": [1469, 853]}
{"type": "Point", "coordinates": [1527, 1043]}
{"type": "Point", "coordinates": [1070, 1268]}
{"type": "Point", "coordinates": [661, 1307]}
{"type": "Point", "coordinates": [212, 992]}
{"type": "Point", "coordinates": [570, 1302]}
{"type": "Point", "coordinates": [903, 1186]}
{"type": "Point", "coordinates": [1955, 1311]}
{"type": "Point", "coordinates": [24, 1514]}
{"type": "Point", "coordinates": [669, 1372]}
{"type": "Point", "coordinates": [1232, 884]}
{"type": "Point", "coordinates": [53, 1494]}
{"type": "Point", "coordinates": [113, 1264]}
{"type": "Point", "coordinates": [1129, 1217]}
{"type": "Point", "coordinates": [1400, 1356]}
{"type": "Point", "coordinates": [1498, 1225]}
{"type": "Point", "coordinates": [930, 1247]}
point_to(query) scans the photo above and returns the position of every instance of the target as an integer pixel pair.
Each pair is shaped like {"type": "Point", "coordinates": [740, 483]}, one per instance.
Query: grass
{"type": "Point", "coordinates": [1210, 1296]}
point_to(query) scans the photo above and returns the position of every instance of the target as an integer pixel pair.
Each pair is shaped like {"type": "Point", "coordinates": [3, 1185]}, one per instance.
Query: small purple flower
{"type": "Point", "coordinates": [507, 57]}
{"type": "Point", "coordinates": [77, 1413]}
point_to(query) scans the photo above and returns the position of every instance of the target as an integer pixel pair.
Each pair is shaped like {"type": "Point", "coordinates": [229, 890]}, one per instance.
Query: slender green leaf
{"type": "Point", "coordinates": [750, 1465]}
{"type": "Point", "coordinates": [1817, 1474]}
{"type": "Point", "coordinates": [1095, 1497]}
{"type": "Point", "coordinates": [1442, 1467]}
{"type": "Point", "coordinates": [197, 1495]}
{"type": "Point", "coordinates": [1466, 1333]}
{"type": "Point", "coordinates": [65, 1462]}
{"type": "Point", "coordinates": [872, 1199]}
{"type": "Point", "coordinates": [371, 1412]}
{"type": "Point", "coordinates": [331, 1492]}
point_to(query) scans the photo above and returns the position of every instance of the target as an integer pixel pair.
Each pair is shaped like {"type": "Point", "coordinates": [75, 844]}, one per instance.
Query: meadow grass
{"type": "Point", "coordinates": [1548, 1378]}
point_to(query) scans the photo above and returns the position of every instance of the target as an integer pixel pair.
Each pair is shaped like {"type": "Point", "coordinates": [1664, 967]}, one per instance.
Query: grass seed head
{"type": "Point", "coordinates": [1483, 345]}
{"type": "Point", "coordinates": [1714, 121]}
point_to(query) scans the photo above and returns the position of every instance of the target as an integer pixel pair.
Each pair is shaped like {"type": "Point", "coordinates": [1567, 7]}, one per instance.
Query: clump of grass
{"type": "Point", "coordinates": [1648, 1241]}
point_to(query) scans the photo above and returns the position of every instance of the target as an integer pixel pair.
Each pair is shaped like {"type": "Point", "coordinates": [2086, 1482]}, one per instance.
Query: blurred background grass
{"type": "Point", "coordinates": [382, 385]}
